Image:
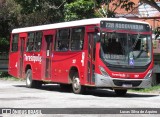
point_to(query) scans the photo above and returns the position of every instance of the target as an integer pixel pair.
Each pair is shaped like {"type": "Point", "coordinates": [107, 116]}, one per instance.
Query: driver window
{"type": "Point", "coordinates": [111, 43]}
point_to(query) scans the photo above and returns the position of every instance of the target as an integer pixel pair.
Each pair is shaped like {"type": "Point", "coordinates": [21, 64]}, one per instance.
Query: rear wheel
{"type": "Point", "coordinates": [120, 92]}
{"type": "Point", "coordinates": [76, 85]}
{"type": "Point", "coordinates": [30, 83]}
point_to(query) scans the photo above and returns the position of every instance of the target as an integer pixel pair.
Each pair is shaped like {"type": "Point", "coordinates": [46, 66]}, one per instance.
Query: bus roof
{"type": "Point", "coordinates": [72, 24]}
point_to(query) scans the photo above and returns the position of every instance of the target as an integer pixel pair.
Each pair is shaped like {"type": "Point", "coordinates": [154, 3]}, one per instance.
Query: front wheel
{"type": "Point", "coordinates": [120, 92]}
{"type": "Point", "coordinates": [76, 86]}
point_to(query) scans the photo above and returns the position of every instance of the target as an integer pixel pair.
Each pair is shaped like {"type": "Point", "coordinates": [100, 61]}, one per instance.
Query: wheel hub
{"type": "Point", "coordinates": [28, 80]}
{"type": "Point", "coordinates": [76, 83]}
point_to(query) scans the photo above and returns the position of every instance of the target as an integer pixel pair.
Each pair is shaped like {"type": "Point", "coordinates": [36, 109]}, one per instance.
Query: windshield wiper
{"type": "Point", "coordinates": [133, 46]}
{"type": "Point", "coordinates": [136, 41]}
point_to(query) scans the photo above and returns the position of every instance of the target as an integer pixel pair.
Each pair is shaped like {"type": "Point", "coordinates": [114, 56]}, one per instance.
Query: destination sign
{"type": "Point", "coordinates": [125, 26]}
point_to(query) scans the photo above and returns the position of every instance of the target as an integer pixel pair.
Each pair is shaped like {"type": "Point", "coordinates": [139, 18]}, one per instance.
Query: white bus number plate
{"type": "Point", "coordinates": [127, 85]}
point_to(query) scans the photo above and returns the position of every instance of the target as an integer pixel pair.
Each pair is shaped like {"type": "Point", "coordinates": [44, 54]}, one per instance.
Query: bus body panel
{"type": "Point", "coordinates": [13, 58]}
{"type": "Point", "coordinates": [63, 62]}
{"type": "Point", "coordinates": [33, 61]}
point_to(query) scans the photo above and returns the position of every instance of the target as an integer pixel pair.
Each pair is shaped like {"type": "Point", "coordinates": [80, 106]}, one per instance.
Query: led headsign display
{"type": "Point", "coordinates": [125, 26]}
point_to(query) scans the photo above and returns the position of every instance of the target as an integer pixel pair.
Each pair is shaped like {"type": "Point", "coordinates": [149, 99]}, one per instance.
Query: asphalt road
{"type": "Point", "coordinates": [14, 94]}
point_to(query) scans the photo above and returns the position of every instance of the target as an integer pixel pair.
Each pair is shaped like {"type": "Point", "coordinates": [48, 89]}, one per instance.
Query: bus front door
{"type": "Point", "coordinates": [48, 54]}
{"type": "Point", "coordinates": [22, 36]}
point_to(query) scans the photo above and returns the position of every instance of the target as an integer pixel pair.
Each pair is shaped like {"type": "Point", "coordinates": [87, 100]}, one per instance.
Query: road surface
{"type": "Point", "coordinates": [14, 94]}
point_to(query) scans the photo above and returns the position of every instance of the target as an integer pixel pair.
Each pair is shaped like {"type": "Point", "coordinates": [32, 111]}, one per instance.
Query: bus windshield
{"type": "Point", "coordinates": [126, 49]}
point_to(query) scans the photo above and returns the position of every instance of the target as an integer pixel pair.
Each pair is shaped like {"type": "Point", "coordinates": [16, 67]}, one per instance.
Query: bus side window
{"type": "Point", "coordinates": [63, 39]}
{"type": "Point", "coordinates": [38, 41]}
{"type": "Point", "coordinates": [77, 38]}
{"type": "Point", "coordinates": [30, 42]}
{"type": "Point", "coordinates": [34, 41]}
{"type": "Point", "coordinates": [15, 43]}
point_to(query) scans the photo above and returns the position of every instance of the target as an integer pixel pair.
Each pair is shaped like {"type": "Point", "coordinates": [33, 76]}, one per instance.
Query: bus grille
{"type": "Point", "coordinates": [120, 82]}
{"type": "Point", "coordinates": [125, 69]}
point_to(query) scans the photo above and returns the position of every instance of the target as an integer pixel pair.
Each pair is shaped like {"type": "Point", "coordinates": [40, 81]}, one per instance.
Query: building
{"type": "Point", "coordinates": [143, 12]}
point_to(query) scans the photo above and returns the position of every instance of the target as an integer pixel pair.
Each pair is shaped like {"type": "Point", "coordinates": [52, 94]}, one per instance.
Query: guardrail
{"type": "Point", "coordinates": [3, 61]}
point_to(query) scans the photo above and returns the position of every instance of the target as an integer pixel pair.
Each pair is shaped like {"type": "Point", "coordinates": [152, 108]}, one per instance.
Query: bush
{"type": "Point", "coordinates": [4, 74]}
{"type": "Point", "coordinates": [4, 45]}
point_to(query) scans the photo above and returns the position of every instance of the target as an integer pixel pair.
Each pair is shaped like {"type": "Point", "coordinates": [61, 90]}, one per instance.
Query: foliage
{"type": "Point", "coordinates": [4, 74]}
{"type": "Point", "coordinates": [4, 45]}
{"type": "Point", "coordinates": [10, 78]}
{"type": "Point", "coordinates": [8, 19]}
{"type": "Point", "coordinates": [147, 90]}
{"type": "Point", "coordinates": [107, 8]}
{"type": "Point", "coordinates": [36, 12]}
{"type": "Point", "coordinates": [79, 9]}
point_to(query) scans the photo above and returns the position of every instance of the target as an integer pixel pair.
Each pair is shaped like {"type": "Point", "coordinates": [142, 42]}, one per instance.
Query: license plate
{"type": "Point", "coordinates": [127, 85]}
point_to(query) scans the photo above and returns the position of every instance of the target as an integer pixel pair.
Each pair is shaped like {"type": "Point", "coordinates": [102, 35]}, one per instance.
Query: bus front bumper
{"type": "Point", "coordinates": [103, 81]}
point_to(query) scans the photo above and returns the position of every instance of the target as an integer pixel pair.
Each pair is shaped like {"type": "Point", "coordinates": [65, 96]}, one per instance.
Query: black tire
{"type": "Point", "coordinates": [30, 83]}
{"type": "Point", "coordinates": [76, 86]}
{"type": "Point", "coordinates": [120, 92]}
{"type": "Point", "coordinates": [65, 87]}
{"type": "Point", "coordinates": [38, 84]}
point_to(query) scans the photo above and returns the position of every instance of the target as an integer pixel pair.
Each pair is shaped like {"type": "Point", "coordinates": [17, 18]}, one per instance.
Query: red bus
{"type": "Point", "coordinates": [113, 53]}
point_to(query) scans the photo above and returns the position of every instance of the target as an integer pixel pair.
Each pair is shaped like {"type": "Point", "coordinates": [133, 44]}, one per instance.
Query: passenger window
{"type": "Point", "coordinates": [77, 38]}
{"type": "Point", "coordinates": [63, 40]}
{"type": "Point", "coordinates": [15, 43]}
{"type": "Point", "coordinates": [34, 41]}
{"type": "Point", "coordinates": [30, 43]}
{"type": "Point", "coordinates": [38, 41]}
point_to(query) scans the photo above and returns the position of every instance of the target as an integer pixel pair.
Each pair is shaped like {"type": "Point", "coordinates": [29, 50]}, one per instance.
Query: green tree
{"type": "Point", "coordinates": [79, 9]}
{"type": "Point", "coordinates": [107, 8]}
{"type": "Point", "coordinates": [8, 19]}
{"type": "Point", "coordinates": [36, 12]}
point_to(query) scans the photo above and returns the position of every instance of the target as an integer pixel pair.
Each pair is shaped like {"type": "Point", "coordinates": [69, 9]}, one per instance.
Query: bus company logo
{"type": "Point", "coordinates": [33, 58]}
{"type": "Point", "coordinates": [119, 75]}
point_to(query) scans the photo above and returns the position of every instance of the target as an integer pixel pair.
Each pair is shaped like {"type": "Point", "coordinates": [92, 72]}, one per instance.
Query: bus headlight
{"type": "Point", "coordinates": [149, 74]}
{"type": "Point", "coordinates": [103, 71]}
